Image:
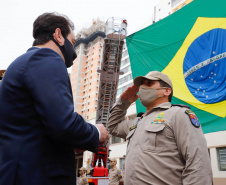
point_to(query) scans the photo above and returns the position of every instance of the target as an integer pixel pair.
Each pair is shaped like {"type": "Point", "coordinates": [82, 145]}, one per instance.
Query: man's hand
{"type": "Point", "coordinates": [130, 94]}
{"type": "Point", "coordinates": [103, 133]}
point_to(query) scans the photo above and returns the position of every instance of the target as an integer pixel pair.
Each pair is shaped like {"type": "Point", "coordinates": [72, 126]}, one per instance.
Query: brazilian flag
{"type": "Point", "coordinates": [190, 47]}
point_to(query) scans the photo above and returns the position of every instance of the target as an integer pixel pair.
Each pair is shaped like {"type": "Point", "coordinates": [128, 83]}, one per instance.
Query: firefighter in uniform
{"type": "Point", "coordinates": [83, 179]}
{"type": "Point", "coordinates": [115, 173]}
{"type": "Point", "coordinates": [166, 144]}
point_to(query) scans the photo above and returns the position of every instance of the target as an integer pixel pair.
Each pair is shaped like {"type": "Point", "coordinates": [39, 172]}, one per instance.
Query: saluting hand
{"type": "Point", "coordinates": [130, 94]}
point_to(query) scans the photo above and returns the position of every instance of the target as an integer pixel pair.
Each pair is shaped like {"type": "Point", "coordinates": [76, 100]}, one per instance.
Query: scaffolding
{"type": "Point", "coordinates": [110, 68]}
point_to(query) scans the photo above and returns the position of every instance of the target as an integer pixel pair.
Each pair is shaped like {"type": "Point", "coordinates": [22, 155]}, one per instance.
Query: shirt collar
{"type": "Point", "coordinates": [33, 48]}
{"type": "Point", "coordinates": [165, 105]}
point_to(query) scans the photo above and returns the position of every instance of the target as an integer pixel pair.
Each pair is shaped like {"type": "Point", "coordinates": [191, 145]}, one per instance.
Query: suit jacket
{"type": "Point", "coordinates": [38, 126]}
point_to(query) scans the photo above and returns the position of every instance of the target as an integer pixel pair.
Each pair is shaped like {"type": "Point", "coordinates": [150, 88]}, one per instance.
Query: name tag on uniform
{"type": "Point", "coordinates": [159, 121]}
{"type": "Point", "coordinates": [134, 126]}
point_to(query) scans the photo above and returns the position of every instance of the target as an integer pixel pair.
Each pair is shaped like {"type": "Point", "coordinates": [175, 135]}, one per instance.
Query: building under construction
{"type": "Point", "coordinates": [84, 75]}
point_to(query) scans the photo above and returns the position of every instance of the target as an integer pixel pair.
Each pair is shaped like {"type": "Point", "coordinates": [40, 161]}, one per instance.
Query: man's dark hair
{"type": "Point", "coordinates": [46, 24]}
{"type": "Point", "coordinates": [164, 84]}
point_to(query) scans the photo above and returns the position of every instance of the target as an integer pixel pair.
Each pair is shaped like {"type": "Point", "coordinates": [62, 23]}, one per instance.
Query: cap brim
{"type": "Point", "coordinates": [138, 80]}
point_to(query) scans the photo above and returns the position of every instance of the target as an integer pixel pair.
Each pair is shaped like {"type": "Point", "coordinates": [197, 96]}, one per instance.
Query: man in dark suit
{"type": "Point", "coordinates": [39, 129]}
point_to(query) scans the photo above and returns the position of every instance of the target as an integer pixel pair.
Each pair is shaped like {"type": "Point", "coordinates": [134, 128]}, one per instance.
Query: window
{"type": "Point", "coordinates": [221, 154]}
{"type": "Point", "coordinates": [124, 62]}
{"type": "Point", "coordinates": [119, 92]}
{"type": "Point", "coordinates": [124, 46]}
{"type": "Point", "coordinates": [122, 163]}
{"type": "Point", "coordinates": [115, 139]}
{"type": "Point", "coordinates": [125, 53]}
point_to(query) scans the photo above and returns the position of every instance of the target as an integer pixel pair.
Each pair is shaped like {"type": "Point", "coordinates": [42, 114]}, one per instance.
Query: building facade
{"type": "Point", "coordinates": [84, 75]}
{"type": "Point", "coordinates": [166, 7]}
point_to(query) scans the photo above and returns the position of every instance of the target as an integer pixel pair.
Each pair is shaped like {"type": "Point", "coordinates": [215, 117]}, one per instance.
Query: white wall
{"type": "Point", "coordinates": [215, 140]}
{"type": "Point", "coordinates": [162, 10]}
{"type": "Point", "coordinates": [118, 150]}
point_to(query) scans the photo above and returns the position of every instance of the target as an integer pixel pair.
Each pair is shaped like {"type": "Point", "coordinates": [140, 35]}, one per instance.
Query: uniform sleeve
{"type": "Point", "coordinates": [193, 150]}
{"type": "Point", "coordinates": [117, 125]}
{"type": "Point", "coordinates": [48, 83]}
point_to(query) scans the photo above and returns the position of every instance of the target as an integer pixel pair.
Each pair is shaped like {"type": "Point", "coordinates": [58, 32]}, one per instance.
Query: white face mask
{"type": "Point", "coordinates": [147, 95]}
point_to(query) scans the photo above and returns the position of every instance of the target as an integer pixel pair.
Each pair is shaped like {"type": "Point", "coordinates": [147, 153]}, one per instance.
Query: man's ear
{"type": "Point", "coordinates": [167, 92]}
{"type": "Point", "coordinates": [57, 35]}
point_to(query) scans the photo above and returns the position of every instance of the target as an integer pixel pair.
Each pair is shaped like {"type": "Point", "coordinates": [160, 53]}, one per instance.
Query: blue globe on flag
{"type": "Point", "coordinates": [204, 67]}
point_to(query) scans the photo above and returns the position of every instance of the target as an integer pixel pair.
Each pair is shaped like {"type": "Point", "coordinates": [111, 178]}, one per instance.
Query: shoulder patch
{"type": "Point", "coordinates": [85, 180]}
{"type": "Point", "coordinates": [181, 105]}
{"type": "Point", "coordinates": [119, 172]}
{"type": "Point", "coordinates": [194, 120]}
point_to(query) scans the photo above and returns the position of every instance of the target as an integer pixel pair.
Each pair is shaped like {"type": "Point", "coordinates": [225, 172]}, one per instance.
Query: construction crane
{"type": "Point", "coordinates": [116, 31]}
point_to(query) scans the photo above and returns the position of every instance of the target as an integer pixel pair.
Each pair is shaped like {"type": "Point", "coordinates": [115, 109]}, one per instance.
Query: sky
{"type": "Point", "coordinates": [17, 17]}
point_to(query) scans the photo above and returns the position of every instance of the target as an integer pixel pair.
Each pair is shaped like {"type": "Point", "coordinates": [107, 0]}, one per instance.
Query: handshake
{"type": "Point", "coordinates": [103, 132]}
{"type": "Point", "coordinates": [103, 139]}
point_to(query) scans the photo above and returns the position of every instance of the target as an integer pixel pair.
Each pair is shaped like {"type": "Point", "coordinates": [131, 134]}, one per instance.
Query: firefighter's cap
{"type": "Point", "coordinates": [112, 159]}
{"type": "Point", "coordinates": [153, 75]}
{"type": "Point", "coordinates": [82, 169]}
